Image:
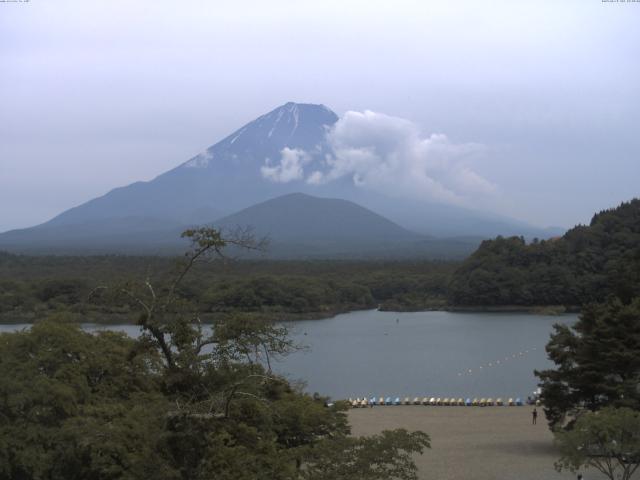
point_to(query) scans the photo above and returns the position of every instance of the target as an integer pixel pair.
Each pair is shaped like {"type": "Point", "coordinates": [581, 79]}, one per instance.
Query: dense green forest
{"type": "Point", "coordinates": [34, 286]}
{"type": "Point", "coordinates": [585, 265]}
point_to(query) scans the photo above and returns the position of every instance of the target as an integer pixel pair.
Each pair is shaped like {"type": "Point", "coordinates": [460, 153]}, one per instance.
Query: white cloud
{"type": "Point", "coordinates": [315, 178]}
{"type": "Point", "coordinates": [290, 167]}
{"type": "Point", "coordinates": [200, 161]}
{"type": "Point", "coordinates": [391, 155]}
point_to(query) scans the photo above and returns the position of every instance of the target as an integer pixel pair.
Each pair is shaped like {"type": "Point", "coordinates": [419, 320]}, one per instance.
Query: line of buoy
{"type": "Point", "coordinates": [433, 401]}
{"type": "Point", "coordinates": [496, 363]}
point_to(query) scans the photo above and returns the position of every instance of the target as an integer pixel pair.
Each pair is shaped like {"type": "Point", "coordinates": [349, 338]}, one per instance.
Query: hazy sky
{"type": "Point", "coordinates": [98, 94]}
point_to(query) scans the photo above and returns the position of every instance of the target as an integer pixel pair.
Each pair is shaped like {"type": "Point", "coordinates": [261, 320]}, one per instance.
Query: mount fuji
{"type": "Point", "coordinates": [259, 162]}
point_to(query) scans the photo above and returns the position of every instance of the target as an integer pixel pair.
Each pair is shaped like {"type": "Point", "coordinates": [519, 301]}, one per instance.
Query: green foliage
{"type": "Point", "coordinates": [76, 406]}
{"type": "Point", "coordinates": [68, 291]}
{"type": "Point", "coordinates": [380, 457]}
{"type": "Point", "coordinates": [598, 362]}
{"type": "Point", "coordinates": [180, 402]}
{"type": "Point", "coordinates": [33, 287]}
{"type": "Point", "coordinates": [586, 265]}
{"type": "Point", "coordinates": [607, 440]}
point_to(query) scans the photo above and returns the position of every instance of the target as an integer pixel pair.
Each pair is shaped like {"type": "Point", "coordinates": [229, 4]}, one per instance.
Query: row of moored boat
{"type": "Point", "coordinates": [453, 402]}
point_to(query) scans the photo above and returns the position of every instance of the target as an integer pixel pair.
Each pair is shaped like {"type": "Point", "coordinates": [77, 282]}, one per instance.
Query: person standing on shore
{"type": "Point", "coordinates": [534, 416]}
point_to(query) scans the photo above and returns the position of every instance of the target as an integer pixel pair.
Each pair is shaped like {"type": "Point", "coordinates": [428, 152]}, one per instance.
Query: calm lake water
{"type": "Point", "coordinates": [440, 354]}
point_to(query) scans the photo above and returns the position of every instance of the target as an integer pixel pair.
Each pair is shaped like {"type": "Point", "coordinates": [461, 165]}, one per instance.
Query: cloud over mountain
{"type": "Point", "coordinates": [389, 155]}
{"type": "Point", "coordinates": [289, 168]}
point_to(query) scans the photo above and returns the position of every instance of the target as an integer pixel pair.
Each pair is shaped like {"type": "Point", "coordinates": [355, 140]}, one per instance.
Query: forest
{"type": "Point", "coordinates": [32, 286]}
{"type": "Point", "coordinates": [587, 264]}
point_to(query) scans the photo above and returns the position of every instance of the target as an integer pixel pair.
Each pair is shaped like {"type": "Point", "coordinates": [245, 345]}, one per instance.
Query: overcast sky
{"type": "Point", "coordinates": [95, 95]}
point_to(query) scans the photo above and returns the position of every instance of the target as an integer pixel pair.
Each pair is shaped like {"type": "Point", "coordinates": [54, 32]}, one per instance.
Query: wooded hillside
{"type": "Point", "coordinates": [587, 264]}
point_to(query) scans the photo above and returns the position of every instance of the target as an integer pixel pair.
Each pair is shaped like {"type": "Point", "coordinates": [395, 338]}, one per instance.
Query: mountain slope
{"type": "Point", "coordinates": [223, 178]}
{"type": "Point", "coordinates": [131, 235]}
{"type": "Point", "coordinates": [302, 226]}
{"type": "Point", "coordinates": [297, 225]}
{"type": "Point", "coordinates": [242, 170]}
{"type": "Point", "coordinates": [298, 217]}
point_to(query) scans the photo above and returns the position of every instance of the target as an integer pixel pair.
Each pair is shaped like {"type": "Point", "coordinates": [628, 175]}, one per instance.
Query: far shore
{"type": "Point", "coordinates": [534, 309]}
{"type": "Point", "coordinates": [473, 443]}
{"type": "Point", "coordinates": [126, 319]}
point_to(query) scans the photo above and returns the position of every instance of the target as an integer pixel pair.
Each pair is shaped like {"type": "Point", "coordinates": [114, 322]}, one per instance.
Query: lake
{"type": "Point", "coordinates": [439, 354]}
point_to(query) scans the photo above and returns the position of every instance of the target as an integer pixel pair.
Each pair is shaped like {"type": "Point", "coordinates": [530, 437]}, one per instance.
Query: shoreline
{"type": "Point", "coordinates": [123, 319]}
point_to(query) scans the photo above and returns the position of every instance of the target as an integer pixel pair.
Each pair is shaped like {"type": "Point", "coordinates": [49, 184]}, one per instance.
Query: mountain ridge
{"type": "Point", "coordinates": [234, 174]}
{"type": "Point", "coordinates": [298, 226]}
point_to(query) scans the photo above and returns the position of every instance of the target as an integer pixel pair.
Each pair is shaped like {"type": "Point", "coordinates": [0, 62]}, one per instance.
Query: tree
{"type": "Point", "coordinates": [183, 401]}
{"type": "Point", "coordinates": [598, 363]}
{"type": "Point", "coordinates": [607, 440]}
{"type": "Point", "coordinates": [380, 457]}
{"type": "Point", "coordinates": [75, 406]}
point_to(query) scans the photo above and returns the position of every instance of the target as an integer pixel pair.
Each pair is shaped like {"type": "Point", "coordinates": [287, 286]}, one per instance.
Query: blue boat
{"type": "Point", "coordinates": [396, 401]}
{"type": "Point", "coordinates": [519, 402]}
{"type": "Point", "coordinates": [387, 401]}
{"type": "Point", "coordinates": [372, 401]}
{"type": "Point", "coordinates": [467, 402]}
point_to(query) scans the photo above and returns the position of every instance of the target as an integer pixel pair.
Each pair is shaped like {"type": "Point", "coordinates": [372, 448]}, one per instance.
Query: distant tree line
{"type": "Point", "coordinates": [31, 287]}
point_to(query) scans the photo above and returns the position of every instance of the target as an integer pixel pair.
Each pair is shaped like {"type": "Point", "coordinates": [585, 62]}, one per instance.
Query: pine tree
{"type": "Point", "coordinates": [598, 362]}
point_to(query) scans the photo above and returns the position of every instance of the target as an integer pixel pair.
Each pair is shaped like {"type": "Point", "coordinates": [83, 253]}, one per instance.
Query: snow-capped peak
{"type": "Point", "coordinates": [292, 125]}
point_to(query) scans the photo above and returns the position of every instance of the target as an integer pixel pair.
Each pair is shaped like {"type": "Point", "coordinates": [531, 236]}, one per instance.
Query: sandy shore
{"type": "Point", "coordinates": [491, 443]}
